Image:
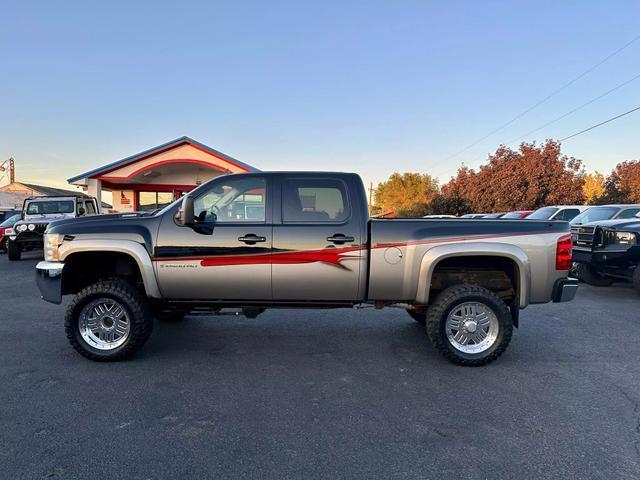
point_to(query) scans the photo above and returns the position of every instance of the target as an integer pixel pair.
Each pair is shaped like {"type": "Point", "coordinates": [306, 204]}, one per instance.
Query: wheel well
{"type": "Point", "coordinates": [495, 273]}
{"type": "Point", "coordinates": [86, 268]}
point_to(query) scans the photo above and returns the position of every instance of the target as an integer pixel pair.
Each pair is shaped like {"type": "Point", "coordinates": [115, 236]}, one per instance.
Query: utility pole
{"type": "Point", "coordinates": [370, 196]}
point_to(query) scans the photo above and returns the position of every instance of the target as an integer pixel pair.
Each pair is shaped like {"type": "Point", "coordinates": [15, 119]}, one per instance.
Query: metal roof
{"type": "Point", "coordinates": [52, 191]}
{"type": "Point", "coordinates": [165, 146]}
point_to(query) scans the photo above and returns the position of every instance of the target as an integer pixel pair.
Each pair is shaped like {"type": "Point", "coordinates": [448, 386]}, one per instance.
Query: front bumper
{"type": "Point", "coordinates": [49, 280]}
{"type": "Point", "coordinates": [611, 255]}
{"type": "Point", "coordinates": [564, 290]}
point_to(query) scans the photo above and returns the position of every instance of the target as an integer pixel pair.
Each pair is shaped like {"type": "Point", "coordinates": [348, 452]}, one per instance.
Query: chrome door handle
{"type": "Point", "coordinates": [252, 239]}
{"type": "Point", "coordinates": [339, 239]}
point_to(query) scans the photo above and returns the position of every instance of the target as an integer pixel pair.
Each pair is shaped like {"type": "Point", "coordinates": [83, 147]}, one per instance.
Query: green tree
{"type": "Point", "coordinates": [405, 192]}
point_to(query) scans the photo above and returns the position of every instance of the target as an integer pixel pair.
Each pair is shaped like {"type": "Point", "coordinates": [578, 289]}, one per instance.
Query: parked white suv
{"type": "Point", "coordinates": [607, 212]}
{"type": "Point", "coordinates": [558, 212]}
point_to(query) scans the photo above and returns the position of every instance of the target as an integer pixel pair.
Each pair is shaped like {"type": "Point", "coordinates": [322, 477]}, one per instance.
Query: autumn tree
{"type": "Point", "coordinates": [404, 192]}
{"type": "Point", "coordinates": [623, 184]}
{"type": "Point", "coordinates": [530, 177]}
{"type": "Point", "coordinates": [449, 205]}
{"type": "Point", "coordinates": [593, 188]}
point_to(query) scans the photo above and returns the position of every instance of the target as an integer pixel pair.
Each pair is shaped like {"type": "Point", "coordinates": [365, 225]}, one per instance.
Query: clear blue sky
{"type": "Point", "coordinates": [370, 87]}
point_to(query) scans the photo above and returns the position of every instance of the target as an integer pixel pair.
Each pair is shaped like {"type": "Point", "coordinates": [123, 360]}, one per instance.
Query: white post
{"type": "Point", "coordinates": [94, 189]}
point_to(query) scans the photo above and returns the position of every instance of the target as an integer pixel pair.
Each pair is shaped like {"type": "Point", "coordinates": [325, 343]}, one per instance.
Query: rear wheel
{"type": "Point", "coordinates": [590, 276]}
{"type": "Point", "coordinates": [14, 252]}
{"type": "Point", "coordinates": [108, 321]}
{"type": "Point", "coordinates": [469, 325]}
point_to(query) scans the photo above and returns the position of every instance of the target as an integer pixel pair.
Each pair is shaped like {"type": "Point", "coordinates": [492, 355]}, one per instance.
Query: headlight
{"type": "Point", "coordinates": [52, 242]}
{"type": "Point", "coordinates": [21, 228]}
{"type": "Point", "coordinates": [624, 238]}
{"type": "Point", "coordinates": [31, 227]}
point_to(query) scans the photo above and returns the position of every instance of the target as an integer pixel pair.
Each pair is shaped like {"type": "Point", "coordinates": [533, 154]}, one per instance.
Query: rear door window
{"type": "Point", "coordinates": [315, 200]}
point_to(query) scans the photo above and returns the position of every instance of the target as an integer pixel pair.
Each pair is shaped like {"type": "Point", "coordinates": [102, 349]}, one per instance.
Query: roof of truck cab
{"type": "Point", "coordinates": [566, 206]}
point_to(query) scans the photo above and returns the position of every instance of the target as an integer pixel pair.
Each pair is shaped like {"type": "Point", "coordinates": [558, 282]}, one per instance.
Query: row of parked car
{"type": "Point", "coordinates": [575, 214]}
{"type": "Point", "coordinates": [606, 239]}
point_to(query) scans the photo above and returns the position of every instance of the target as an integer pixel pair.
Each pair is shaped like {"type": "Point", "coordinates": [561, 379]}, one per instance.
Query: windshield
{"type": "Point", "coordinates": [50, 207]}
{"type": "Point", "coordinates": [165, 209]}
{"type": "Point", "coordinates": [543, 213]}
{"type": "Point", "coordinates": [10, 221]}
{"type": "Point", "coordinates": [595, 214]}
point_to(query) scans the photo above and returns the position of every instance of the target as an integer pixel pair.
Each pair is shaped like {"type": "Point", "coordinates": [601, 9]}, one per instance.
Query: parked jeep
{"type": "Point", "coordinates": [299, 240]}
{"type": "Point", "coordinates": [38, 212]}
{"type": "Point", "coordinates": [606, 251]}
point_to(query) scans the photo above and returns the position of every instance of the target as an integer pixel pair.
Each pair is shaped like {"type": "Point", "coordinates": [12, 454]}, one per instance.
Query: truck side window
{"type": "Point", "coordinates": [233, 200]}
{"type": "Point", "coordinates": [90, 209]}
{"type": "Point", "coordinates": [314, 200]}
{"type": "Point", "coordinates": [629, 213]}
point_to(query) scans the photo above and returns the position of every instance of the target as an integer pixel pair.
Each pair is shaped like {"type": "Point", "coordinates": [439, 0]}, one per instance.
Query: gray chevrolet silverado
{"type": "Point", "coordinates": [302, 240]}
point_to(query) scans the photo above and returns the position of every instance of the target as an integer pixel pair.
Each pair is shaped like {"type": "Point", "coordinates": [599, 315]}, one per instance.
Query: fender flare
{"type": "Point", "coordinates": [473, 249]}
{"type": "Point", "coordinates": [135, 250]}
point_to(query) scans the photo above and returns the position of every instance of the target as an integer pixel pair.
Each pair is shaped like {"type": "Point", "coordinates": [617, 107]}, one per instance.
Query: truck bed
{"type": "Point", "coordinates": [399, 247]}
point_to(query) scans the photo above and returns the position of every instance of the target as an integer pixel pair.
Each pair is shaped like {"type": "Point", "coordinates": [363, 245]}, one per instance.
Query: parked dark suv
{"type": "Point", "coordinates": [606, 251]}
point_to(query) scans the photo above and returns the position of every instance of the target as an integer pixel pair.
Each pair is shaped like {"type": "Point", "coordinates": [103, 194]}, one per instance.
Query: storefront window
{"type": "Point", "coordinates": [153, 200]}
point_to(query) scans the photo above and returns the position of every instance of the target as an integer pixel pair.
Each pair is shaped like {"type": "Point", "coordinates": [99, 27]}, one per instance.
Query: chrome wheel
{"type": "Point", "coordinates": [472, 327]}
{"type": "Point", "coordinates": [104, 324]}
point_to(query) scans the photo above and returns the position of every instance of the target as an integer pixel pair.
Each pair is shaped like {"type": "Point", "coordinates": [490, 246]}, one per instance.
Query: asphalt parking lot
{"type": "Point", "coordinates": [321, 394]}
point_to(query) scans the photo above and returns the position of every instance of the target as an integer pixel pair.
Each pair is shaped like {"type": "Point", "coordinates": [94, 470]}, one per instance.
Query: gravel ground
{"type": "Point", "coordinates": [321, 394]}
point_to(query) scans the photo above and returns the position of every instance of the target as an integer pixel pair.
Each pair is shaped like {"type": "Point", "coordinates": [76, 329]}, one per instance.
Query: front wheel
{"type": "Point", "coordinates": [108, 321]}
{"type": "Point", "coordinates": [14, 252]}
{"type": "Point", "coordinates": [590, 276]}
{"type": "Point", "coordinates": [469, 325]}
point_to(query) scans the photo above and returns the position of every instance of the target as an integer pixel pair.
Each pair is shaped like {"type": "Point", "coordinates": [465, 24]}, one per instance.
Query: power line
{"type": "Point", "coordinates": [564, 115]}
{"type": "Point", "coordinates": [600, 124]}
{"type": "Point", "coordinates": [545, 99]}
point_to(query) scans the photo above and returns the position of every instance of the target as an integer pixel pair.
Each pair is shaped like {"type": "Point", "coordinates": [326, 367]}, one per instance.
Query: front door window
{"type": "Point", "coordinates": [237, 200]}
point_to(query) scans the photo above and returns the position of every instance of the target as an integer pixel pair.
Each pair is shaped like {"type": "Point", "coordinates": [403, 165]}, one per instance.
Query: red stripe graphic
{"type": "Point", "coordinates": [331, 256]}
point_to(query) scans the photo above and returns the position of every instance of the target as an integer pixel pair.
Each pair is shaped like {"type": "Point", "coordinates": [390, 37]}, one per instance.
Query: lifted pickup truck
{"type": "Point", "coordinates": [302, 240]}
